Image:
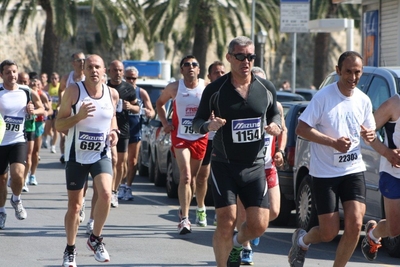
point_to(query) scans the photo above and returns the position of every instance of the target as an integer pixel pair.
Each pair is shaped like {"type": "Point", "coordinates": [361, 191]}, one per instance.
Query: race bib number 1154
{"type": "Point", "coordinates": [246, 130]}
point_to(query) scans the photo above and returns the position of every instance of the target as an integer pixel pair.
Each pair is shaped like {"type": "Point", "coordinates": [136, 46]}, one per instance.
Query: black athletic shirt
{"type": "Point", "coordinates": [245, 118]}
{"type": "Point", "coordinates": [128, 93]}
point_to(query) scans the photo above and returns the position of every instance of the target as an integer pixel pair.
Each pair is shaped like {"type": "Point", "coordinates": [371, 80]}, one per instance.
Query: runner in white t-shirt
{"type": "Point", "coordinates": [334, 121]}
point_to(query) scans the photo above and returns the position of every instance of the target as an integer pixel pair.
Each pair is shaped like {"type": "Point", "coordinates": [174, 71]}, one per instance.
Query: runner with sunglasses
{"type": "Point", "coordinates": [245, 110]}
{"type": "Point", "coordinates": [188, 146]}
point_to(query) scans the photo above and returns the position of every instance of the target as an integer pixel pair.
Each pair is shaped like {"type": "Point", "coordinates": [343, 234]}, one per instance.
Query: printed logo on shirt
{"type": "Point", "coordinates": [13, 120]}
{"type": "Point", "coordinates": [245, 124]}
{"type": "Point", "coordinates": [191, 110]}
{"type": "Point", "coordinates": [85, 136]}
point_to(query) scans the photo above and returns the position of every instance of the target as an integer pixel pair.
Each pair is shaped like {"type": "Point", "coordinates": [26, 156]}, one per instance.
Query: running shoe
{"type": "Point", "coordinates": [82, 214]}
{"type": "Point", "coordinates": [99, 249]}
{"type": "Point", "coordinates": [32, 180]}
{"type": "Point", "coordinates": [201, 218]}
{"type": "Point", "coordinates": [184, 227]}
{"type": "Point", "coordinates": [3, 217]}
{"type": "Point", "coordinates": [44, 144]}
{"type": "Point", "coordinates": [89, 227]}
{"type": "Point", "coordinates": [53, 150]}
{"type": "Point", "coordinates": [234, 259]}
{"type": "Point", "coordinates": [114, 200]}
{"type": "Point", "coordinates": [255, 241]}
{"type": "Point", "coordinates": [20, 212]}
{"type": "Point", "coordinates": [62, 159]}
{"type": "Point", "coordinates": [25, 188]}
{"type": "Point", "coordinates": [247, 257]}
{"type": "Point", "coordinates": [297, 254]}
{"type": "Point", "coordinates": [69, 259]}
{"type": "Point", "coordinates": [128, 194]}
{"type": "Point", "coordinates": [121, 191]}
{"type": "Point", "coordinates": [368, 246]}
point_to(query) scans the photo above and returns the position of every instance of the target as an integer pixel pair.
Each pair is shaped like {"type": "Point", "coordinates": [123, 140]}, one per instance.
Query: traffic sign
{"type": "Point", "coordinates": [295, 15]}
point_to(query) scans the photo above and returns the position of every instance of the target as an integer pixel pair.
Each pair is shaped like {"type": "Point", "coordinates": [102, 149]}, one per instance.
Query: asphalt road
{"type": "Point", "coordinates": [137, 233]}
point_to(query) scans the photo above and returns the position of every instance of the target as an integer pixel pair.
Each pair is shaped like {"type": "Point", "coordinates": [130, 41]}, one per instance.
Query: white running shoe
{"type": "Point", "coordinates": [184, 227]}
{"type": "Point", "coordinates": [53, 150]}
{"type": "Point", "coordinates": [114, 200]}
{"type": "Point", "coordinates": [3, 217]}
{"type": "Point", "coordinates": [128, 194]}
{"type": "Point", "coordinates": [25, 188]}
{"type": "Point", "coordinates": [20, 212]}
{"type": "Point", "coordinates": [69, 259]}
{"type": "Point", "coordinates": [82, 212]}
{"type": "Point", "coordinates": [99, 249]}
{"type": "Point", "coordinates": [89, 227]}
{"type": "Point", "coordinates": [121, 191]}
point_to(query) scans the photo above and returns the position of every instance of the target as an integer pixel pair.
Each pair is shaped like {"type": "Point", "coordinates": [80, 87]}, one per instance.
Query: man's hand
{"type": "Point", "coordinates": [216, 123]}
{"type": "Point", "coordinates": [367, 134]}
{"type": "Point", "coordinates": [278, 159]}
{"type": "Point", "coordinates": [168, 128]}
{"type": "Point", "coordinates": [342, 144]}
{"type": "Point", "coordinates": [30, 108]}
{"type": "Point", "coordinates": [86, 109]}
{"type": "Point", "coordinates": [113, 137]}
{"type": "Point", "coordinates": [273, 129]}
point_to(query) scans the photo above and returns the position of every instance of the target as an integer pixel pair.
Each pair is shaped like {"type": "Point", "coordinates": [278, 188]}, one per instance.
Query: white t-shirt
{"type": "Point", "coordinates": [336, 115]}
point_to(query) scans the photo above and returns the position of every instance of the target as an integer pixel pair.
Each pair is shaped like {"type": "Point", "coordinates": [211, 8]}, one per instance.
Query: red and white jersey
{"type": "Point", "coordinates": [185, 107]}
{"type": "Point", "coordinates": [269, 151]}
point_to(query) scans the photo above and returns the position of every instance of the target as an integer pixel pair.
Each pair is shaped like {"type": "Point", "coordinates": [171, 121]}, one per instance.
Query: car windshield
{"type": "Point", "coordinates": [154, 91]}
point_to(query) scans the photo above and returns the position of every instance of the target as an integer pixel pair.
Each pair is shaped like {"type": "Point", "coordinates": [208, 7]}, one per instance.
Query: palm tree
{"type": "Point", "coordinates": [205, 21]}
{"type": "Point", "coordinates": [325, 9]}
{"type": "Point", "coordinates": [61, 21]}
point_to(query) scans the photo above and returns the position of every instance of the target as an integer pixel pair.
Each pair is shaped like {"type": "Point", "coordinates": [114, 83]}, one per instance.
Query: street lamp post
{"type": "Point", "coordinates": [262, 39]}
{"type": "Point", "coordinates": [122, 31]}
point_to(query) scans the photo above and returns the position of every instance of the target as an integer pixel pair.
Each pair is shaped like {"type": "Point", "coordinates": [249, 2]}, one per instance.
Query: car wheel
{"type": "Point", "coordinates": [284, 212]}
{"type": "Point", "coordinates": [159, 178]}
{"type": "Point", "coordinates": [392, 245]}
{"type": "Point", "coordinates": [143, 170]}
{"type": "Point", "coordinates": [151, 169]}
{"type": "Point", "coordinates": [306, 213]}
{"type": "Point", "coordinates": [171, 186]}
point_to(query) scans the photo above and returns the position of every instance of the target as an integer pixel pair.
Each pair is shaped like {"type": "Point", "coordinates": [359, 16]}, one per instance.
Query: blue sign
{"type": "Point", "coordinates": [371, 38]}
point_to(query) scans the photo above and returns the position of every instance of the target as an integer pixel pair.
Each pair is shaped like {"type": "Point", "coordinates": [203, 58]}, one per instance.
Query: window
{"type": "Point", "coordinates": [378, 91]}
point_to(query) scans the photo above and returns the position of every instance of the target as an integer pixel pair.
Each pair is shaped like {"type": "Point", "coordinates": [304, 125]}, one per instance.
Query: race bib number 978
{"type": "Point", "coordinates": [246, 130]}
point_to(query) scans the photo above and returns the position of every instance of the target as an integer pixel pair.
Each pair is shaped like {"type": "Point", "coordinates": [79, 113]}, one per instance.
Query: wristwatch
{"type": "Point", "coordinates": [117, 131]}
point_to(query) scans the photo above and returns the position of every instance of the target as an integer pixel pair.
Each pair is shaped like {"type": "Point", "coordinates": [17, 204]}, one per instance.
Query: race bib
{"type": "Point", "coordinates": [186, 126]}
{"type": "Point", "coordinates": [347, 159]}
{"type": "Point", "coordinates": [91, 141]}
{"type": "Point", "coordinates": [246, 130]}
{"type": "Point", "coordinates": [14, 124]}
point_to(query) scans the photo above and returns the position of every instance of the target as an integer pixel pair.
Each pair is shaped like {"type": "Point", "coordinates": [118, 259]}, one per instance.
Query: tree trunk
{"type": "Point", "coordinates": [201, 37]}
{"type": "Point", "coordinates": [321, 55]}
{"type": "Point", "coordinates": [51, 42]}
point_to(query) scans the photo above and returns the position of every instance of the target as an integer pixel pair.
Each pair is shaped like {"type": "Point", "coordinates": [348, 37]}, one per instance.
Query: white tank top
{"type": "Point", "coordinates": [70, 79]}
{"type": "Point", "coordinates": [186, 103]}
{"type": "Point", "coordinates": [89, 137]}
{"type": "Point", "coordinates": [13, 109]}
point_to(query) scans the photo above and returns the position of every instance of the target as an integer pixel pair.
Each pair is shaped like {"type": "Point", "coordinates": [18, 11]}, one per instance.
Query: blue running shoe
{"type": "Point", "coordinates": [255, 241]}
{"type": "Point", "coordinates": [247, 257]}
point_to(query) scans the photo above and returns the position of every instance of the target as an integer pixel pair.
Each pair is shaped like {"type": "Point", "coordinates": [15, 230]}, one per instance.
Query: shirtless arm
{"type": "Point", "coordinates": [150, 113]}
{"type": "Point", "coordinates": [168, 93]}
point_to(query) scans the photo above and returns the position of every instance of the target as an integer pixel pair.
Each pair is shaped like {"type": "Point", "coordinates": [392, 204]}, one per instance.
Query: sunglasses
{"type": "Point", "coordinates": [188, 64]}
{"type": "Point", "coordinates": [131, 78]}
{"type": "Point", "coordinates": [242, 57]}
{"type": "Point", "coordinates": [79, 60]}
